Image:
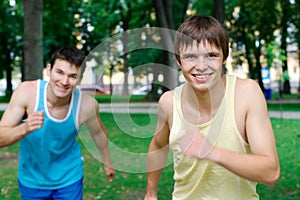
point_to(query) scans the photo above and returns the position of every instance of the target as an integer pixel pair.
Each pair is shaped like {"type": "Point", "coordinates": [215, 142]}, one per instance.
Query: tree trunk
{"type": "Point", "coordinates": [219, 10]}
{"type": "Point", "coordinates": [126, 18]}
{"type": "Point", "coordinates": [284, 35]}
{"type": "Point", "coordinates": [219, 14]}
{"type": "Point", "coordinates": [257, 53]}
{"type": "Point", "coordinates": [165, 20]}
{"type": "Point", "coordinates": [33, 40]}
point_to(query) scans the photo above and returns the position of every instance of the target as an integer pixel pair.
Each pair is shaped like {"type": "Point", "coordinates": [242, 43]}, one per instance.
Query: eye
{"type": "Point", "coordinates": [213, 55]}
{"type": "Point", "coordinates": [188, 56]}
{"type": "Point", "coordinates": [73, 76]}
{"type": "Point", "coordinates": [59, 72]}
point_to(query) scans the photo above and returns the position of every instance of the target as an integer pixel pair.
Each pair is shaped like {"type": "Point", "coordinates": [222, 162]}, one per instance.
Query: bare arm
{"type": "Point", "coordinates": [100, 136]}
{"type": "Point", "coordinates": [158, 149]}
{"type": "Point", "coordinates": [262, 164]}
{"type": "Point", "coordinates": [11, 128]}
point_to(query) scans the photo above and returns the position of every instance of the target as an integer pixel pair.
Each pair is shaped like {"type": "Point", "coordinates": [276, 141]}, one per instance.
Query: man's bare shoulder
{"type": "Point", "coordinates": [89, 108]}
{"type": "Point", "coordinates": [27, 86]}
{"type": "Point", "coordinates": [22, 100]}
{"type": "Point", "coordinates": [166, 99]}
{"type": "Point", "coordinates": [165, 104]}
{"type": "Point", "coordinates": [247, 86]}
{"type": "Point", "coordinates": [25, 91]}
{"type": "Point", "coordinates": [248, 93]}
{"type": "Point", "coordinates": [88, 104]}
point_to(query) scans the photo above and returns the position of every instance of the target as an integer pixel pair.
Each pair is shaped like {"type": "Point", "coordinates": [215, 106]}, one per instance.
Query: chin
{"type": "Point", "coordinates": [62, 94]}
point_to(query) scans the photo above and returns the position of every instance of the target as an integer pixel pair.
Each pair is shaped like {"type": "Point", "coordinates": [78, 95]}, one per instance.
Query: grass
{"type": "Point", "coordinates": [287, 141]}
{"type": "Point", "coordinates": [119, 98]}
{"type": "Point", "coordinates": [284, 107]}
{"type": "Point", "coordinates": [133, 134]}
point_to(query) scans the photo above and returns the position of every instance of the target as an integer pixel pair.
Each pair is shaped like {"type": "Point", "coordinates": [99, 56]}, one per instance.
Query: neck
{"type": "Point", "coordinates": [208, 101]}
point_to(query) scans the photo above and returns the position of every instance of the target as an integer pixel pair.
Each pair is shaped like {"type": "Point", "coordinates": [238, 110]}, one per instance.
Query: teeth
{"type": "Point", "coordinates": [201, 76]}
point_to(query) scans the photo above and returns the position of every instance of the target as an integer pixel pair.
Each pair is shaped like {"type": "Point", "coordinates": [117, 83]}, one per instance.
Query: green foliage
{"type": "Point", "coordinates": [58, 25]}
{"type": "Point", "coordinates": [248, 30]}
{"type": "Point", "coordinates": [11, 33]}
{"type": "Point", "coordinates": [88, 23]}
{"type": "Point", "coordinates": [274, 54]}
{"type": "Point", "coordinates": [202, 7]}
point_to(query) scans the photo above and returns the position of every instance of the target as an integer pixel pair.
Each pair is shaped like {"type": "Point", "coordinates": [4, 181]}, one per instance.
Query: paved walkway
{"type": "Point", "coordinates": [151, 108]}
{"type": "Point", "coordinates": [290, 101]}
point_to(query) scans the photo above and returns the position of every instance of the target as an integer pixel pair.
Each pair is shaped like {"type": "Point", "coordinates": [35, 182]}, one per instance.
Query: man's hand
{"type": "Point", "coordinates": [34, 121]}
{"type": "Point", "coordinates": [149, 197]}
{"type": "Point", "coordinates": [195, 144]}
{"type": "Point", "coordinates": [110, 173]}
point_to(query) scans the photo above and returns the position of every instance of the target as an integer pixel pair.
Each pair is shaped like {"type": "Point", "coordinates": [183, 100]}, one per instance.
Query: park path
{"type": "Point", "coordinates": [151, 108]}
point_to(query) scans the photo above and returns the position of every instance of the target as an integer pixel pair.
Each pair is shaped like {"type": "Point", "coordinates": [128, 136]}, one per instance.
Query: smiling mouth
{"type": "Point", "coordinates": [62, 88]}
{"type": "Point", "coordinates": [201, 76]}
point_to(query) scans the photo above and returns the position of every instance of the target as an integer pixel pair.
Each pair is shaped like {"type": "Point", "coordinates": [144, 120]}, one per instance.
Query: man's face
{"type": "Point", "coordinates": [63, 77]}
{"type": "Point", "coordinates": [201, 64]}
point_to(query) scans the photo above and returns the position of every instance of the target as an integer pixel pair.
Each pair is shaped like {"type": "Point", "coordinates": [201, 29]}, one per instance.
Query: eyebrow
{"type": "Point", "coordinates": [187, 54]}
{"type": "Point", "coordinates": [214, 53]}
{"type": "Point", "coordinates": [184, 54]}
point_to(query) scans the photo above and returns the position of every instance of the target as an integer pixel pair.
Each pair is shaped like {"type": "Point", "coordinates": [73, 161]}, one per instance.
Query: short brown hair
{"type": "Point", "coordinates": [201, 28]}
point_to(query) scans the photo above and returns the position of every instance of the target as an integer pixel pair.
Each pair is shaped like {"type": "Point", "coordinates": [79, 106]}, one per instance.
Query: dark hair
{"type": "Point", "coordinates": [70, 54]}
{"type": "Point", "coordinates": [201, 28]}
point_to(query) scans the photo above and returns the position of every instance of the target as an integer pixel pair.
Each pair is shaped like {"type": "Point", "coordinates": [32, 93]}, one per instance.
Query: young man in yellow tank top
{"type": "Point", "coordinates": [217, 126]}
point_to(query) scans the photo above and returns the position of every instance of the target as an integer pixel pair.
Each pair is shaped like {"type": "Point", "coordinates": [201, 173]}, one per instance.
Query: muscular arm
{"type": "Point", "coordinates": [11, 130]}
{"type": "Point", "coordinates": [158, 149]}
{"type": "Point", "coordinates": [99, 134]}
{"type": "Point", "coordinates": [262, 164]}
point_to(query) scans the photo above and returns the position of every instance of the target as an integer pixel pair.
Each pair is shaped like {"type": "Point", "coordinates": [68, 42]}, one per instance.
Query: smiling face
{"type": "Point", "coordinates": [201, 48]}
{"type": "Point", "coordinates": [63, 78]}
{"type": "Point", "coordinates": [201, 64]}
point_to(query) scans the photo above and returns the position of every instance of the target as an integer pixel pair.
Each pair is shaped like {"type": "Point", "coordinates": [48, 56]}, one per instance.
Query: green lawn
{"type": "Point", "coordinates": [131, 185]}
{"type": "Point", "coordinates": [284, 106]}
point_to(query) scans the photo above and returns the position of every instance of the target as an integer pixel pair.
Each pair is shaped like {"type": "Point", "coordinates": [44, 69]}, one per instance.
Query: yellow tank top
{"type": "Point", "coordinates": [206, 180]}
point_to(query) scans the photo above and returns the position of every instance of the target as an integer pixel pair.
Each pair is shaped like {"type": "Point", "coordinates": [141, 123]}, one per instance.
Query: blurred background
{"type": "Point", "coordinates": [264, 41]}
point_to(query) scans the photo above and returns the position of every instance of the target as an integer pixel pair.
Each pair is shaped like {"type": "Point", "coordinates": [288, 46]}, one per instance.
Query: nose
{"type": "Point", "coordinates": [65, 80]}
{"type": "Point", "coordinates": [200, 64]}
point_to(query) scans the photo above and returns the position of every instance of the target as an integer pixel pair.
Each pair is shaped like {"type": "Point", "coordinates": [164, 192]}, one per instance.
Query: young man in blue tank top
{"type": "Point", "coordinates": [217, 126]}
{"type": "Point", "coordinates": [50, 161]}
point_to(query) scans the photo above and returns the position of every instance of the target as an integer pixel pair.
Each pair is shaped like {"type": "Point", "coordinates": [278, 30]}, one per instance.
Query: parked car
{"type": "Point", "coordinates": [92, 89]}
{"type": "Point", "coordinates": [146, 89]}
{"type": "Point", "coordinates": [142, 90]}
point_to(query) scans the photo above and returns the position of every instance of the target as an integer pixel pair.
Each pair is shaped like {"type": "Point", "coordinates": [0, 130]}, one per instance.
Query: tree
{"type": "Point", "coordinates": [11, 41]}
{"type": "Point", "coordinates": [165, 19]}
{"type": "Point", "coordinates": [285, 16]}
{"type": "Point", "coordinates": [33, 40]}
{"type": "Point", "coordinates": [296, 12]}
{"type": "Point", "coordinates": [219, 10]}
{"type": "Point", "coordinates": [249, 32]}
{"type": "Point", "coordinates": [59, 25]}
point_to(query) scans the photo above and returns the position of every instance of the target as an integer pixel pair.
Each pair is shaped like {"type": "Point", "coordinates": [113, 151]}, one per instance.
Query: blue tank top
{"type": "Point", "coordinates": [50, 157]}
